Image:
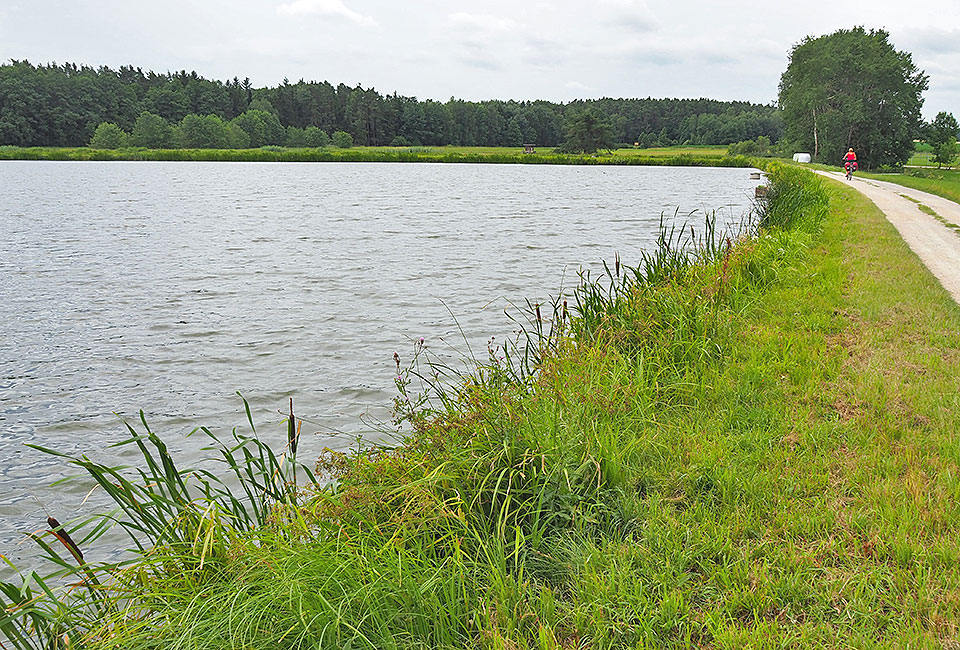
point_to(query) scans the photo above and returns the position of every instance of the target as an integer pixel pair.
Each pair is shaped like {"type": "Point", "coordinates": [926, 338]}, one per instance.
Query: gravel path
{"type": "Point", "coordinates": [937, 245]}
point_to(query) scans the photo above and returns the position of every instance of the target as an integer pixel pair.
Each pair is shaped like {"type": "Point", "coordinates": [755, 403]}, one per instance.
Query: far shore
{"type": "Point", "coordinates": [669, 156]}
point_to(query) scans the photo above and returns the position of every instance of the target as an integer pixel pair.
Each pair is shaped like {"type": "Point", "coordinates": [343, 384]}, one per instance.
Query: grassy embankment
{"type": "Point", "coordinates": [943, 182]}
{"type": "Point", "coordinates": [755, 450]}
{"type": "Point", "coordinates": [680, 156]}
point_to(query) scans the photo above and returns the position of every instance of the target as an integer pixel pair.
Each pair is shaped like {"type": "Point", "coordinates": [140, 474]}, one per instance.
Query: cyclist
{"type": "Point", "coordinates": [850, 162]}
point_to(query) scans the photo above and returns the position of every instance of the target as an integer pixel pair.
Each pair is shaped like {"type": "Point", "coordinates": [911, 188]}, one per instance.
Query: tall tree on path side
{"type": "Point", "coordinates": [851, 88]}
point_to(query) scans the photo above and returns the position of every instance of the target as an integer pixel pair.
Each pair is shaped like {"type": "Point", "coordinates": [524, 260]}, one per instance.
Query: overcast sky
{"type": "Point", "coordinates": [504, 49]}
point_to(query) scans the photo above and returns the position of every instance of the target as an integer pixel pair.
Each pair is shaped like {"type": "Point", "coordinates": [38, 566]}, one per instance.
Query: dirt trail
{"type": "Point", "coordinates": [937, 245]}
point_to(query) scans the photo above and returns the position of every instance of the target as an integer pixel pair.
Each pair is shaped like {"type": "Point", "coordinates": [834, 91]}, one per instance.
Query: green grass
{"type": "Point", "coordinates": [923, 156]}
{"type": "Point", "coordinates": [925, 159]}
{"type": "Point", "coordinates": [755, 447]}
{"type": "Point", "coordinates": [704, 151]}
{"type": "Point", "coordinates": [943, 183]}
{"type": "Point", "coordinates": [921, 159]}
{"type": "Point", "coordinates": [682, 156]}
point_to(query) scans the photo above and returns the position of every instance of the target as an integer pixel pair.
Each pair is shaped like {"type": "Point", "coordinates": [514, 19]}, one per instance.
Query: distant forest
{"type": "Point", "coordinates": [62, 105]}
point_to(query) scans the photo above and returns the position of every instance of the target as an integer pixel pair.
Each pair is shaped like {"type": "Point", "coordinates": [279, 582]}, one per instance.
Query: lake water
{"type": "Point", "coordinates": [169, 287]}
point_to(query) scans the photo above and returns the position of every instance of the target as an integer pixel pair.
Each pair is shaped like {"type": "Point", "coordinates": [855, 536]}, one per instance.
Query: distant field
{"type": "Point", "coordinates": [922, 156]}
{"type": "Point", "coordinates": [717, 151]}
{"type": "Point", "coordinates": [439, 151]}
{"type": "Point", "coordinates": [920, 159]}
{"type": "Point", "coordinates": [702, 156]}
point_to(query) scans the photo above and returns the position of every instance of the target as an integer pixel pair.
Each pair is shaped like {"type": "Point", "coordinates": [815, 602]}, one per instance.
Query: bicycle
{"type": "Point", "coordinates": [850, 166]}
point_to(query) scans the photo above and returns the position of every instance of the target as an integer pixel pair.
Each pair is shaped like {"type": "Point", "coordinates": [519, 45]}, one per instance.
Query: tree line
{"type": "Point", "coordinates": [251, 129]}
{"type": "Point", "coordinates": [64, 104]}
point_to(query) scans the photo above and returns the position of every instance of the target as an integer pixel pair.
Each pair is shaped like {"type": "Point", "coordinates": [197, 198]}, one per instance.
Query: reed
{"type": "Point", "coordinates": [180, 521]}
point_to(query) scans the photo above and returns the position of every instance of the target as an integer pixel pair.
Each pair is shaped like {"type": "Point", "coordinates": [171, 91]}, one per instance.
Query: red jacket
{"type": "Point", "coordinates": [850, 156]}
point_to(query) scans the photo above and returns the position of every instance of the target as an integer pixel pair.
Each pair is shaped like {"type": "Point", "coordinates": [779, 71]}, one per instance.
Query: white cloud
{"type": "Point", "coordinates": [334, 8]}
{"type": "Point", "coordinates": [483, 39]}
{"type": "Point", "coordinates": [932, 41]}
{"type": "Point", "coordinates": [578, 87]}
{"type": "Point", "coordinates": [485, 22]}
{"type": "Point", "coordinates": [483, 48]}
{"type": "Point", "coordinates": [633, 14]}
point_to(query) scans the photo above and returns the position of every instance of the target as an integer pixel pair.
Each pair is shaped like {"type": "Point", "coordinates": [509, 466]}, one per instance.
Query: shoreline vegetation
{"type": "Point", "coordinates": [738, 442]}
{"type": "Point", "coordinates": [679, 156]}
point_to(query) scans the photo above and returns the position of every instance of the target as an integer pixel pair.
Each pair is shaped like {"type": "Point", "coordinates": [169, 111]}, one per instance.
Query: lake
{"type": "Point", "coordinates": [170, 287]}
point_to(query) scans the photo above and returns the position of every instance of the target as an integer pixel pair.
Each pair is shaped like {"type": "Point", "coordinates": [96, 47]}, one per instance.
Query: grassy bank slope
{"type": "Point", "coordinates": [678, 156]}
{"type": "Point", "coordinates": [755, 451]}
{"type": "Point", "coordinates": [943, 183]}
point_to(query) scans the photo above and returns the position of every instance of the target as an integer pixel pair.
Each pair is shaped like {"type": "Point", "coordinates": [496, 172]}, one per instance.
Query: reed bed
{"type": "Point", "coordinates": [329, 154]}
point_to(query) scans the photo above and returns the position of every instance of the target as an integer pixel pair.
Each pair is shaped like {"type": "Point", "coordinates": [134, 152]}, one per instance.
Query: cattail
{"type": "Point", "coordinates": [292, 431]}
{"type": "Point", "coordinates": [396, 360]}
{"type": "Point", "coordinates": [616, 264]}
{"type": "Point", "coordinates": [57, 530]}
{"type": "Point", "coordinates": [563, 316]}
{"type": "Point", "coordinates": [536, 308]}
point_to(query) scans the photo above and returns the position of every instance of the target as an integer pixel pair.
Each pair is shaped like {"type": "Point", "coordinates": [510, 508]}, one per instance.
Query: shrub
{"type": "Point", "coordinates": [262, 127]}
{"type": "Point", "coordinates": [109, 136]}
{"type": "Point", "coordinates": [759, 147]}
{"type": "Point", "coordinates": [202, 132]}
{"type": "Point", "coordinates": [151, 131]}
{"type": "Point", "coordinates": [316, 137]}
{"type": "Point", "coordinates": [296, 137]}
{"type": "Point", "coordinates": [342, 140]}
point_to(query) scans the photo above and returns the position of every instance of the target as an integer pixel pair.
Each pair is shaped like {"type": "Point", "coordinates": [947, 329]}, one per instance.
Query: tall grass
{"type": "Point", "coordinates": [792, 202]}
{"type": "Point", "coordinates": [529, 508]}
{"type": "Point", "coordinates": [180, 521]}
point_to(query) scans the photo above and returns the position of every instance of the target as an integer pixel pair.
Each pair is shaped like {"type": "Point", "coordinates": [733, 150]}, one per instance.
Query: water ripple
{"type": "Point", "coordinates": [171, 286]}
